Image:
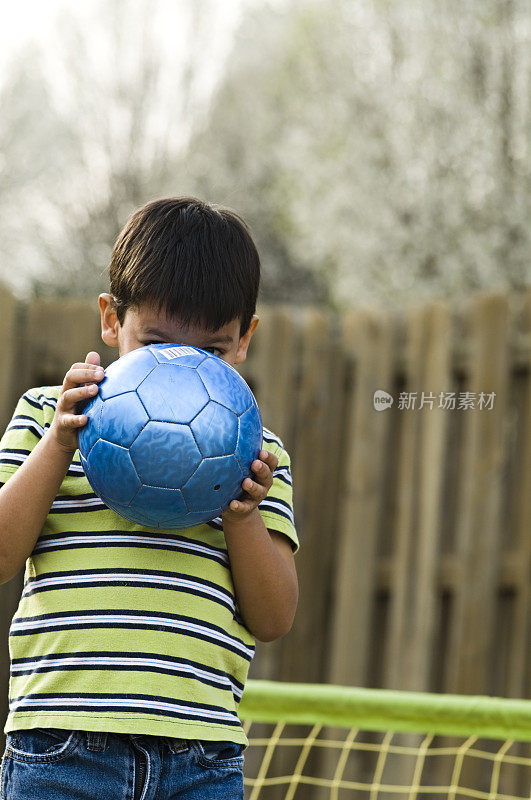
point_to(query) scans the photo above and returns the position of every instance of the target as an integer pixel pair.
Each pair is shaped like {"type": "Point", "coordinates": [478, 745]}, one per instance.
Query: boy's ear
{"type": "Point", "coordinates": [109, 320]}
{"type": "Point", "coordinates": [243, 344]}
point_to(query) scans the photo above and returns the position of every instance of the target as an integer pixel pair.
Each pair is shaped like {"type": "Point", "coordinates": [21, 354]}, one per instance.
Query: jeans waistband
{"type": "Point", "coordinates": [97, 740]}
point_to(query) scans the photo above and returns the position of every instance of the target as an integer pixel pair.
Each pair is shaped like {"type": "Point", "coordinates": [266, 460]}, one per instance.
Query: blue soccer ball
{"type": "Point", "coordinates": [171, 435]}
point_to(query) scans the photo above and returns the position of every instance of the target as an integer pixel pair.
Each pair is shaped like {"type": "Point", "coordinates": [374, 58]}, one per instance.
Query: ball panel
{"type": "Point", "coordinates": [168, 504]}
{"type": "Point", "coordinates": [200, 491]}
{"type": "Point", "coordinates": [188, 521]}
{"type": "Point", "coordinates": [126, 373]}
{"type": "Point", "coordinates": [216, 430]}
{"type": "Point", "coordinates": [165, 454]}
{"type": "Point", "coordinates": [122, 419]}
{"type": "Point", "coordinates": [93, 476]}
{"type": "Point", "coordinates": [183, 355]}
{"type": "Point", "coordinates": [111, 473]}
{"type": "Point", "coordinates": [225, 385]}
{"type": "Point", "coordinates": [250, 439]}
{"type": "Point", "coordinates": [173, 393]}
{"type": "Point", "coordinates": [85, 468]}
{"type": "Point", "coordinates": [133, 515]}
{"type": "Point", "coordinates": [90, 433]}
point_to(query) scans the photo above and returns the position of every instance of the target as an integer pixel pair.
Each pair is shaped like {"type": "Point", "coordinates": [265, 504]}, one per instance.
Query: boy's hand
{"type": "Point", "coordinates": [79, 384]}
{"type": "Point", "coordinates": [254, 491]}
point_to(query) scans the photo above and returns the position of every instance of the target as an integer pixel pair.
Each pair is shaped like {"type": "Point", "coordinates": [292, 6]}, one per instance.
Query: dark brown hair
{"type": "Point", "coordinates": [193, 260]}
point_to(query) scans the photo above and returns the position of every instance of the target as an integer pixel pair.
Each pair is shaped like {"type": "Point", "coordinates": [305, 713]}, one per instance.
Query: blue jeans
{"type": "Point", "coordinates": [59, 764]}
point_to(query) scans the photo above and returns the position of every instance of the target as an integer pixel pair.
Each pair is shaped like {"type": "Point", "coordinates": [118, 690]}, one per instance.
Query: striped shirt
{"type": "Point", "coordinates": [123, 628]}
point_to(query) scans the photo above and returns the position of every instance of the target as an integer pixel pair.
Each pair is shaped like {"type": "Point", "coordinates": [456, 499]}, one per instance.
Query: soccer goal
{"type": "Point", "coordinates": [326, 742]}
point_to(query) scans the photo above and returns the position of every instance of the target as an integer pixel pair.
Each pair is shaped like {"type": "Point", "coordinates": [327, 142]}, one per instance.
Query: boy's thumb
{"type": "Point", "coordinates": [92, 358]}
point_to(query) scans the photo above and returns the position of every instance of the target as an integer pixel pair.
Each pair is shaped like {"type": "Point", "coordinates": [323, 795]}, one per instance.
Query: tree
{"type": "Point", "coordinates": [116, 116]}
{"type": "Point", "coordinates": [384, 147]}
{"type": "Point", "coordinates": [32, 144]}
{"type": "Point", "coordinates": [380, 151]}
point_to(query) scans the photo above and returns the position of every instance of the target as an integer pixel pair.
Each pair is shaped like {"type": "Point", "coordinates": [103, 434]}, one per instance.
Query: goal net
{"type": "Point", "coordinates": [326, 742]}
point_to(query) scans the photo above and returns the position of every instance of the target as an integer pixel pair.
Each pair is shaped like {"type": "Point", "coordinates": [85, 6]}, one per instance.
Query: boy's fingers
{"type": "Point", "coordinates": [93, 358]}
{"type": "Point", "coordinates": [269, 458]}
{"type": "Point", "coordinates": [74, 420]}
{"type": "Point", "coordinates": [78, 365]}
{"type": "Point", "coordinates": [89, 363]}
{"type": "Point", "coordinates": [262, 470]}
{"type": "Point", "coordinates": [251, 496]}
{"type": "Point", "coordinates": [78, 375]}
{"type": "Point", "coordinates": [255, 490]}
{"type": "Point", "coordinates": [73, 396]}
{"type": "Point", "coordinates": [241, 505]}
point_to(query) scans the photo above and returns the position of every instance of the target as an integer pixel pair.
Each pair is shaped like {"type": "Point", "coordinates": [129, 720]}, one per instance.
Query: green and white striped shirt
{"type": "Point", "coordinates": [123, 628]}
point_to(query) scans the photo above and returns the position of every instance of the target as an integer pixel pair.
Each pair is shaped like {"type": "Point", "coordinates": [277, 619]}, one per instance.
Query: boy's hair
{"type": "Point", "coordinates": [193, 260]}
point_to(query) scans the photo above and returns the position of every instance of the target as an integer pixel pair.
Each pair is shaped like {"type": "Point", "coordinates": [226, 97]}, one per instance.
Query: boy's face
{"type": "Point", "coordinates": [145, 325]}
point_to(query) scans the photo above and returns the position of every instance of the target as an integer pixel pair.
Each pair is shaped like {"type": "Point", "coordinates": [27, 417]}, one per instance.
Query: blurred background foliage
{"type": "Point", "coordinates": [380, 151]}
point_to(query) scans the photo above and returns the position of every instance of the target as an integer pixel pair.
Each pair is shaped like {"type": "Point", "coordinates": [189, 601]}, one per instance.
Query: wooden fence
{"type": "Point", "coordinates": [415, 523]}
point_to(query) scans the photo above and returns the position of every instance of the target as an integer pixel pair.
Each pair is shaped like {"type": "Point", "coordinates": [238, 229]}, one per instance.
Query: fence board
{"type": "Point", "coordinates": [303, 656]}
{"type": "Point", "coordinates": [276, 369]}
{"type": "Point", "coordinates": [416, 632]}
{"type": "Point", "coordinates": [367, 339]}
{"type": "Point", "coordinates": [421, 621]}
{"type": "Point", "coordinates": [519, 677]}
{"type": "Point", "coordinates": [408, 476]}
{"type": "Point", "coordinates": [273, 371]}
{"type": "Point", "coordinates": [334, 467]}
{"type": "Point", "coordinates": [56, 334]}
{"type": "Point", "coordinates": [472, 644]}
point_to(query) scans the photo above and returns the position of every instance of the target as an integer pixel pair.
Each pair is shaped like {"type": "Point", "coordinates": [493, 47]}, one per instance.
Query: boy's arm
{"type": "Point", "coordinates": [26, 499]}
{"type": "Point", "coordinates": [27, 496]}
{"type": "Point", "coordinates": [261, 559]}
{"type": "Point", "coordinates": [264, 576]}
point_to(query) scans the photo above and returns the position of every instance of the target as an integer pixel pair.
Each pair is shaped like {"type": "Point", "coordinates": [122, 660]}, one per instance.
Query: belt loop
{"type": "Point", "coordinates": [96, 740]}
{"type": "Point", "coordinates": [177, 745]}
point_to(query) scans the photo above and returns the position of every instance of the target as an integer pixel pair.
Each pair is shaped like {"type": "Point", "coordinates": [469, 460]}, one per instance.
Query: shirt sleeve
{"type": "Point", "coordinates": [276, 509]}
{"type": "Point", "coordinates": [26, 427]}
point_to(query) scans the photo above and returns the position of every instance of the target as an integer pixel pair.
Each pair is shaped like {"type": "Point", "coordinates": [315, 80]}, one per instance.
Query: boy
{"type": "Point", "coordinates": [130, 646]}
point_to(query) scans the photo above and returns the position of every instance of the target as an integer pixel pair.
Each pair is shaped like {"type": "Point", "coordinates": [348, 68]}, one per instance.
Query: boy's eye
{"type": "Point", "coordinates": [214, 348]}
